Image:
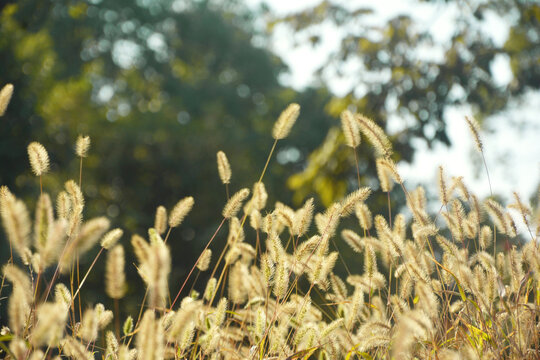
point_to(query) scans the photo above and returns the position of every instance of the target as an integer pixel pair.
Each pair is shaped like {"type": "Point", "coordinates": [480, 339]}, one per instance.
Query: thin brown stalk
{"type": "Point", "coordinates": [117, 318]}
{"type": "Point", "coordinates": [86, 275]}
{"type": "Point", "coordinates": [80, 172]}
{"type": "Point", "coordinates": [357, 166]}
{"type": "Point", "coordinates": [195, 265]}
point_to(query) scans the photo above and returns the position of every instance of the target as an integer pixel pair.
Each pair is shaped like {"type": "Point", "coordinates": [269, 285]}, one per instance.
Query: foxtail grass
{"type": "Point", "coordinates": [430, 286]}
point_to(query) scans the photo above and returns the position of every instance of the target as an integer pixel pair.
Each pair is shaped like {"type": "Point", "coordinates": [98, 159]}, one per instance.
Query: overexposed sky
{"type": "Point", "coordinates": [512, 138]}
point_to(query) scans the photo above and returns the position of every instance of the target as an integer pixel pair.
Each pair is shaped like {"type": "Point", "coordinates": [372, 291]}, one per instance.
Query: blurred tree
{"type": "Point", "coordinates": [160, 86]}
{"type": "Point", "coordinates": [402, 71]}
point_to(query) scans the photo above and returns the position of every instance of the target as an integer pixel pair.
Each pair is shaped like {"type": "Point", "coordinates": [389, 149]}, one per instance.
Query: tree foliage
{"type": "Point", "coordinates": [401, 70]}
{"type": "Point", "coordinates": [160, 87]}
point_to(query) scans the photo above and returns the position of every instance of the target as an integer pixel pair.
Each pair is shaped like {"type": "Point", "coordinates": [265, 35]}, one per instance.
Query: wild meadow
{"type": "Point", "coordinates": [460, 283]}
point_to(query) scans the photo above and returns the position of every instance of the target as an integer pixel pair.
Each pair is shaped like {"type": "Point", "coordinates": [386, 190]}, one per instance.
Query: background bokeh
{"type": "Point", "coordinates": [161, 85]}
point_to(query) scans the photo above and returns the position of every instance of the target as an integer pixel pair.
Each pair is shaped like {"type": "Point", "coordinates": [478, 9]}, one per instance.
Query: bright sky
{"type": "Point", "coordinates": [511, 139]}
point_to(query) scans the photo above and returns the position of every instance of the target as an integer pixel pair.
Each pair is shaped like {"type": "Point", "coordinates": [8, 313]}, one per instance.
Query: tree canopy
{"type": "Point", "coordinates": [160, 87]}
{"type": "Point", "coordinates": [401, 70]}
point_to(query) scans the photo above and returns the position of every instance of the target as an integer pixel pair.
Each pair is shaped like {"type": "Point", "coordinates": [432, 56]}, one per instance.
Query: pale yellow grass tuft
{"type": "Point", "coordinates": [111, 238]}
{"type": "Point", "coordinates": [16, 220]}
{"type": "Point", "coordinates": [303, 218]}
{"type": "Point", "coordinates": [375, 135]}
{"type": "Point", "coordinates": [475, 131]}
{"type": "Point", "coordinates": [160, 220]}
{"type": "Point", "coordinates": [224, 169]}
{"type": "Point", "coordinates": [443, 191]}
{"type": "Point", "coordinates": [204, 261]}
{"type": "Point", "coordinates": [350, 129]}
{"type": "Point", "coordinates": [285, 122]}
{"type": "Point", "coordinates": [115, 279]}
{"type": "Point", "coordinates": [234, 203]}
{"type": "Point", "coordinates": [5, 97]}
{"type": "Point", "coordinates": [180, 211]}
{"type": "Point", "coordinates": [39, 158]}
{"type": "Point", "coordinates": [82, 146]}
{"type": "Point", "coordinates": [364, 215]}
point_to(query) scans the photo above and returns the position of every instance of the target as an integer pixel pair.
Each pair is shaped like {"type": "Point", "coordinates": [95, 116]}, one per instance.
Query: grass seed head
{"type": "Point", "coordinates": [16, 221]}
{"type": "Point", "coordinates": [160, 221]}
{"type": "Point", "coordinates": [443, 191]}
{"type": "Point", "coordinates": [82, 146]}
{"type": "Point", "coordinates": [39, 158]}
{"type": "Point", "coordinates": [497, 215]}
{"type": "Point", "coordinates": [63, 205]}
{"type": "Point", "coordinates": [204, 261]}
{"type": "Point", "coordinates": [210, 289]}
{"type": "Point", "coordinates": [51, 321]}
{"type": "Point", "coordinates": [224, 169]}
{"type": "Point", "coordinates": [285, 122]}
{"type": "Point", "coordinates": [364, 215]}
{"type": "Point", "coordinates": [350, 129]}
{"type": "Point", "coordinates": [76, 196]}
{"type": "Point", "coordinates": [115, 279]}
{"type": "Point", "coordinates": [111, 238]}
{"type": "Point", "coordinates": [127, 327]}
{"type": "Point", "coordinates": [375, 135]}
{"type": "Point", "coordinates": [235, 202]}
{"type": "Point", "coordinates": [72, 347]}
{"type": "Point", "coordinates": [475, 131]}
{"type": "Point", "coordinates": [5, 97]}
{"type": "Point", "coordinates": [180, 211]}
{"type": "Point", "coordinates": [62, 295]}
{"type": "Point", "coordinates": [260, 196]}
{"type": "Point", "coordinates": [353, 239]}
{"type": "Point", "coordinates": [303, 218]}
{"type": "Point", "coordinates": [349, 203]}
